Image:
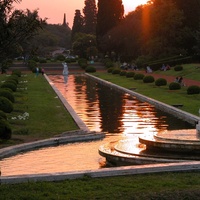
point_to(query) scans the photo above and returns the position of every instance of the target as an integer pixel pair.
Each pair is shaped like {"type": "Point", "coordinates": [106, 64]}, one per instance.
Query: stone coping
{"type": "Point", "coordinates": [105, 172]}
{"type": "Point", "coordinates": [64, 138]}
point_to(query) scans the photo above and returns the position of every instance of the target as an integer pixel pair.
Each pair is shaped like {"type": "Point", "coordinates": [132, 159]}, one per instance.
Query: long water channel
{"type": "Point", "coordinates": [102, 109]}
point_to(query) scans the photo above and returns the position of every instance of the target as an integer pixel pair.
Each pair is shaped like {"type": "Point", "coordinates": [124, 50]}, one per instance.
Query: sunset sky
{"type": "Point", "coordinates": [54, 9]}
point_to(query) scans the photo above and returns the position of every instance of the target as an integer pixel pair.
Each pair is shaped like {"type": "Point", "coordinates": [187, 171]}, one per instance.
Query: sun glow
{"type": "Point", "coordinates": [130, 5]}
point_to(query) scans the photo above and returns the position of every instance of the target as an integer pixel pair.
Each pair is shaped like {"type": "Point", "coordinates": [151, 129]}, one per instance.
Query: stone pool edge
{"type": "Point", "coordinates": [104, 172]}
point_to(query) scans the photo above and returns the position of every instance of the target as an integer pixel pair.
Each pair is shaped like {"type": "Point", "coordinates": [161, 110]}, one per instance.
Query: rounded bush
{"type": "Point", "coordinates": [130, 74]}
{"type": "Point", "coordinates": [109, 64]}
{"type": "Point", "coordinates": [193, 89]}
{"type": "Point", "coordinates": [161, 82]}
{"type": "Point", "coordinates": [116, 71]}
{"type": "Point", "coordinates": [148, 79]}
{"type": "Point", "coordinates": [174, 86]}
{"type": "Point", "coordinates": [3, 115]}
{"type": "Point", "coordinates": [6, 105]}
{"type": "Point", "coordinates": [9, 95]}
{"type": "Point", "coordinates": [17, 72]}
{"type": "Point", "coordinates": [5, 130]}
{"type": "Point", "coordinates": [11, 81]}
{"type": "Point", "coordinates": [13, 78]}
{"type": "Point", "coordinates": [178, 68]}
{"type": "Point", "coordinates": [12, 86]}
{"type": "Point", "coordinates": [123, 73]}
{"type": "Point", "coordinates": [110, 70]}
{"type": "Point", "coordinates": [83, 63]}
{"type": "Point", "coordinates": [90, 69]}
{"type": "Point", "coordinates": [138, 76]}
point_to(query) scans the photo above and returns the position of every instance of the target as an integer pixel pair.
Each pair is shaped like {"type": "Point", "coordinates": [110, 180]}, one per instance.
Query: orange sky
{"type": "Point", "coordinates": [54, 9]}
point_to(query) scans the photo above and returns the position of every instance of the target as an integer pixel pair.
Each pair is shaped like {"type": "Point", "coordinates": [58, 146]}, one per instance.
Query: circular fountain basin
{"type": "Point", "coordinates": [181, 141]}
{"type": "Point", "coordinates": [170, 146]}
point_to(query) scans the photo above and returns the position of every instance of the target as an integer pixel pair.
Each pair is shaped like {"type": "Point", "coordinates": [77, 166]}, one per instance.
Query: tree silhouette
{"type": "Point", "coordinates": [90, 17]}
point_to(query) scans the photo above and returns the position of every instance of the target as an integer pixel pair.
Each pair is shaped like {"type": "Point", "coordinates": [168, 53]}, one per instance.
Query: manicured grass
{"type": "Point", "coordinates": [190, 71]}
{"type": "Point", "coordinates": [140, 187]}
{"type": "Point", "coordinates": [191, 102]}
{"type": "Point", "coordinates": [47, 115]}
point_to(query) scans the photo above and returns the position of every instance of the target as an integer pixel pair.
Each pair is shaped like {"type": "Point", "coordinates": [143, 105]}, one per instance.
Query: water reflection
{"type": "Point", "coordinates": [105, 109]}
{"type": "Point", "coordinates": [102, 108]}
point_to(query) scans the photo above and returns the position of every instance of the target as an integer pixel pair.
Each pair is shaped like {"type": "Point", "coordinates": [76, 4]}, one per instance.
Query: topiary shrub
{"type": "Point", "coordinates": [9, 95]}
{"type": "Point", "coordinates": [13, 78]}
{"type": "Point", "coordinates": [83, 63]}
{"type": "Point", "coordinates": [193, 89]}
{"type": "Point", "coordinates": [17, 72]}
{"type": "Point", "coordinates": [110, 70]}
{"type": "Point", "coordinates": [9, 85]}
{"type": "Point", "coordinates": [6, 105]}
{"type": "Point", "coordinates": [109, 64]}
{"type": "Point", "coordinates": [11, 81]}
{"type": "Point", "coordinates": [138, 76]}
{"type": "Point", "coordinates": [116, 71]}
{"type": "Point", "coordinates": [174, 86]}
{"type": "Point", "coordinates": [130, 74]}
{"type": "Point", "coordinates": [178, 68]}
{"type": "Point", "coordinates": [5, 130]}
{"type": "Point", "coordinates": [3, 115]}
{"type": "Point", "coordinates": [148, 79]}
{"type": "Point", "coordinates": [161, 82]}
{"type": "Point", "coordinates": [90, 69]}
{"type": "Point", "coordinates": [123, 73]}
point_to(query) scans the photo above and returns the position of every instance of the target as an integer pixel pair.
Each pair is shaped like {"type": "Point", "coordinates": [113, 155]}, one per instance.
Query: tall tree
{"type": "Point", "coordinates": [77, 24]}
{"type": "Point", "coordinates": [90, 17]}
{"type": "Point", "coordinates": [109, 15]}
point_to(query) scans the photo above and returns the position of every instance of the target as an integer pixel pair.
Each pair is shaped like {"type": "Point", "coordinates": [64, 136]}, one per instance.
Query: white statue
{"type": "Point", "coordinates": [65, 72]}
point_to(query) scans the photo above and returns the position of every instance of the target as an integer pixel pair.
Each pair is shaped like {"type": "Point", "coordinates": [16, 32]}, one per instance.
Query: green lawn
{"type": "Point", "coordinates": [47, 115]}
{"type": "Point", "coordinates": [162, 186]}
{"type": "Point", "coordinates": [191, 102]}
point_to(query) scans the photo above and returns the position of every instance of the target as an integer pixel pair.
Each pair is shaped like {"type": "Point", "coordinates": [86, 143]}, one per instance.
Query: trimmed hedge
{"type": "Point", "coordinates": [5, 130]}
{"type": "Point", "coordinates": [138, 76]}
{"type": "Point", "coordinates": [193, 89]}
{"type": "Point", "coordinates": [6, 105]}
{"type": "Point", "coordinates": [130, 74]}
{"type": "Point", "coordinates": [110, 70]}
{"type": "Point", "coordinates": [174, 86]}
{"type": "Point", "coordinates": [123, 73]}
{"type": "Point", "coordinates": [90, 69]}
{"type": "Point", "coordinates": [3, 115]}
{"type": "Point", "coordinates": [178, 68]}
{"type": "Point", "coordinates": [9, 85]}
{"type": "Point", "coordinates": [116, 71]}
{"type": "Point", "coordinates": [161, 82]}
{"type": "Point", "coordinates": [9, 95]}
{"type": "Point", "coordinates": [148, 79]}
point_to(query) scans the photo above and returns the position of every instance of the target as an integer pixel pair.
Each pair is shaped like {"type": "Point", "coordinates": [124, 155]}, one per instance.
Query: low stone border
{"type": "Point", "coordinates": [105, 172]}
{"type": "Point", "coordinates": [78, 136]}
{"type": "Point", "coordinates": [190, 118]}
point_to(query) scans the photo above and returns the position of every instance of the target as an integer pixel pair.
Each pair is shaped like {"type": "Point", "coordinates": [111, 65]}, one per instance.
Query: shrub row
{"type": "Point", "coordinates": [150, 79]}
{"type": "Point", "coordinates": [6, 103]}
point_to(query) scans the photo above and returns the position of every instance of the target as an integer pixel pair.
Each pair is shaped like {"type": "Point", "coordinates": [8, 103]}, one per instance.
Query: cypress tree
{"type": "Point", "coordinates": [110, 13]}
{"type": "Point", "coordinates": [77, 23]}
{"type": "Point", "coordinates": [90, 17]}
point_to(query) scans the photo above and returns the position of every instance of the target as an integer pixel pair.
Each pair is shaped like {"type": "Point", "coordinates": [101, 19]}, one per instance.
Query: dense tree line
{"type": "Point", "coordinates": [156, 30]}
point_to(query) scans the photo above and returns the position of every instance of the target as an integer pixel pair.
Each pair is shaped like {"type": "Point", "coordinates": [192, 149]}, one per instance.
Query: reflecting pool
{"type": "Point", "coordinates": [103, 109]}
